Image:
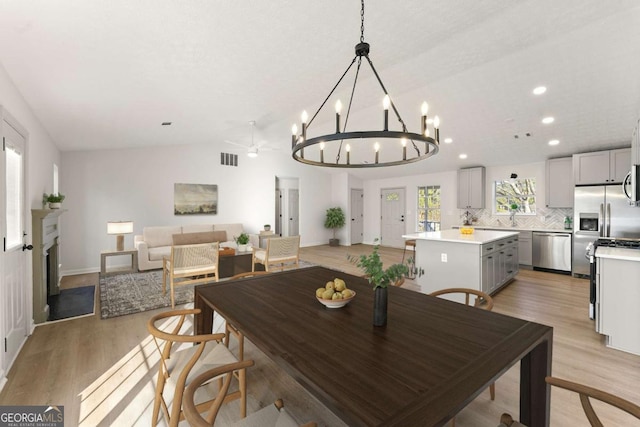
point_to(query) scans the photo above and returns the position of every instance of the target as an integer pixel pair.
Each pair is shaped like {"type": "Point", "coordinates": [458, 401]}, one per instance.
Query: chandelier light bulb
{"type": "Point", "coordinates": [322, 145]}
{"type": "Point", "coordinates": [294, 130]}
{"type": "Point", "coordinates": [425, 108]}
{"type": "Point", "coordinates": [376, 147]}
{"type": "Point", "coordinates": [436, 122]}
{"type": "Point", "coordinates": [403, 141]}
{"type": "Point", "coordinates": [304, 117]}
{"type": "Point", "coordinates": [347, 148]}
{"type": "Point", "coordinates": [338, 106]}
{"type": "Point", "coordinates": [386, 102]}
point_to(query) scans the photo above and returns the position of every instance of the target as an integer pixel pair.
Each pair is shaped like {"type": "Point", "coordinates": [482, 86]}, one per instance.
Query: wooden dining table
{"type": "Point", "coordinates": [431, 359]}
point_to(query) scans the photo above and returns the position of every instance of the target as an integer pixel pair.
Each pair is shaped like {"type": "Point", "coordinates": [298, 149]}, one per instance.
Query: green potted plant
{"type": "Point", "coordinates": [334, 219]}
{"type": "Point", "coordinates": [242, 240]}
{"type": "Point", "coordinates": [54, 200]}
{"type": "Point", "coordinates": [267, 227]}
{"type": "Point", "coordinates": [380, 278]}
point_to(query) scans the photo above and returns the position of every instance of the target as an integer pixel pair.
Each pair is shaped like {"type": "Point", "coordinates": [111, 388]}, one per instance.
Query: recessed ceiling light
{"type": "Point", "coordinates": [462, 156]}
{"type": "Point", "coordinates": [548, 120]}
{"type": "Point", "coordinates": [539, 90]}
{"type": "Point", "coordinates": [554, 142]}
{"type": "Point", "coordinates": [448, 140]}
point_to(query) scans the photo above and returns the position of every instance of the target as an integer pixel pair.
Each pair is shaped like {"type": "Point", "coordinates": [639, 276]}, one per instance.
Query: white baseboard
{"type": "Point", "coordinates": [79, 271]}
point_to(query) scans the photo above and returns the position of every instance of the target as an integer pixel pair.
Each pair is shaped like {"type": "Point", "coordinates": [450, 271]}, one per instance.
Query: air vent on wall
{"type": "Point", "coordinates": [228, 159]}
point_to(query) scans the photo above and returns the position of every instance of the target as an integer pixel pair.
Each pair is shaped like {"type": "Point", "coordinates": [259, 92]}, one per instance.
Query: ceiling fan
{"type": "Point", "coordinates": [253, 147]}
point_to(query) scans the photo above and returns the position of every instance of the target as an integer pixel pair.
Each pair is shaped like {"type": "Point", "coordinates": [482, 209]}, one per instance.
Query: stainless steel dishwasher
{"type": "Point", "coordinates": [551, 251]}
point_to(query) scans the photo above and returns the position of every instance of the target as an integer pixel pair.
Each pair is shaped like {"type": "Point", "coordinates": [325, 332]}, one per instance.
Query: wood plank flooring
{"type": "Point", "coordinates": [102, 370]}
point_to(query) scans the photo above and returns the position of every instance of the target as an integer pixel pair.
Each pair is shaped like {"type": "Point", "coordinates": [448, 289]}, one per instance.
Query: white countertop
{"type": "Point", "coordinates": [491, 227]}
{"type": "Point", "coordinates": [478, 237]}
{"type": "Point", "coordinates": [618, 253]}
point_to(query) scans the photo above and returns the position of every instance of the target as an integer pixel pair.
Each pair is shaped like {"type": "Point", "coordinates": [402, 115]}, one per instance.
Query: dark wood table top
{"type": "Point", "coordinates": [431, 359]}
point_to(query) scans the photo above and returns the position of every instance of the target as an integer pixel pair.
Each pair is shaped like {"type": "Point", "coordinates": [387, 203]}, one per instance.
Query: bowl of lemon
{"type": "Point", "coordinates": [335, 294]}
{"type": "Point", "coordinates": [466, 230]}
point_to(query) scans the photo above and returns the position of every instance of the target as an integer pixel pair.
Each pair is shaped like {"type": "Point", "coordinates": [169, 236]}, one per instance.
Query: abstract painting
{"type": "Point", "coordinates": [195, 199]}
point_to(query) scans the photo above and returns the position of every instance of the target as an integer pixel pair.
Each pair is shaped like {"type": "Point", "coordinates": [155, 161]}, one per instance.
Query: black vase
{"type": "Point", "coordinates": [380, 307]}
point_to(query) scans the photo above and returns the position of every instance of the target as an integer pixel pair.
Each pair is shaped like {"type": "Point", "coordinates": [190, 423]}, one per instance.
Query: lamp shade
{"type": "Point", "coordinates": [119, 227]}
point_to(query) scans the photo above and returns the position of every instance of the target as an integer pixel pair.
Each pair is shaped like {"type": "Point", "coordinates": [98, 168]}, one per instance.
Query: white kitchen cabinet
{"type": "Point", "coordinates": [471, 186]}
{"type": "Point", "coordinates": [559, 183]}
{"type": "Point", "coordinates": [525, 251]}
{"type": "Point", "coordinates": [601, 167]}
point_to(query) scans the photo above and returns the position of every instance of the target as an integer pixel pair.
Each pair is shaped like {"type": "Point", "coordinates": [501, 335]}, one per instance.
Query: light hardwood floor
{"type": "Point", "coordinates": [102, 370]}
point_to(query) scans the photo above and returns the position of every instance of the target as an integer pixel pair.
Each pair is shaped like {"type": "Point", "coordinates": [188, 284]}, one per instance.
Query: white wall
{"type": "Point", "coordinates": [137, 185]}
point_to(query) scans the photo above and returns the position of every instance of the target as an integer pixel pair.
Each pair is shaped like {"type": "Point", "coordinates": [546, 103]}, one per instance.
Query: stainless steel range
{"type": "Point", "coordinates": [592, 247]}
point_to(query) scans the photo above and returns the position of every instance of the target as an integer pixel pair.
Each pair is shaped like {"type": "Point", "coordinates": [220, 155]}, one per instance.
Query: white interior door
{"type": "Point", "coordinates": [357, 215]}
{"type": "Point", "coordinates": [392, 219]}
{"type": "Point", "coordinates": [294, 212]}
{"type": "Point", "coordinates": [13, 289]}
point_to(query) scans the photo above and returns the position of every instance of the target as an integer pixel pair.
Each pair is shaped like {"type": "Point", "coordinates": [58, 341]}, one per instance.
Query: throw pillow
{"type": "Point", "coordinates": [196, 238]}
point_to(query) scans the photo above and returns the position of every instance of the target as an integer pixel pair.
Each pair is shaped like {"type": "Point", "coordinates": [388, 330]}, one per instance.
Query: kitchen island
{"type": "Point", "coordinates": [485, 260]}
{"type": "Point", "coordinates": [618, 296]}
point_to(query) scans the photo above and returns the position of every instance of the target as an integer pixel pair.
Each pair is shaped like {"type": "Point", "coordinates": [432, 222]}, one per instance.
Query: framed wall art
{"type": "Point", "coordinates": [195, 199]}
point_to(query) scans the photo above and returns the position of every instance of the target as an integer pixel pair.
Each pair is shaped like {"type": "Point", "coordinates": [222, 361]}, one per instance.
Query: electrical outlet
{"type": "Point", "coordinates": [443, 257]}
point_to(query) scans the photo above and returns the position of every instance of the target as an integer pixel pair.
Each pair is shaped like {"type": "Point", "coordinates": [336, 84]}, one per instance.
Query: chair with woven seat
{"type": "Point", "coordinates": [178, 366]}
{"type": "Point", "coordinates": [585, 393]}
{"type": "Point", "coordinates": [482, 301]}
{"type": "Point", "coordinates": [272, 415]}
{"type": "Point", "coordinates": [189, 264]}
{"type": "Point", "coordinates": [280, 251]}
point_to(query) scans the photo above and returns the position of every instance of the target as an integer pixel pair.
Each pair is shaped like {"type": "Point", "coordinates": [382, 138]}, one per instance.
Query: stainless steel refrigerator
{"type": "Point", "coordinates": [600, 211]}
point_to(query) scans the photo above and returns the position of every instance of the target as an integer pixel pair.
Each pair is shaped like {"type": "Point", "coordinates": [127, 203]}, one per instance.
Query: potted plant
{"type": "Point", "coordinates": [54, 200]}
{"type": "Point", "coordinates": [380, 278]}
{"type": "Point", "coordinates": [267, 227]}
{"type": "Point", "coordinates": [242, 240]}
{"type": "Point", "coordinates": [334, 220]}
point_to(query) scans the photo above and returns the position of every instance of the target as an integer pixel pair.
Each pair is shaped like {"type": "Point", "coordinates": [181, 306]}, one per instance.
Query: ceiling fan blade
{"type": "Point", "coordinates": [235, 143]}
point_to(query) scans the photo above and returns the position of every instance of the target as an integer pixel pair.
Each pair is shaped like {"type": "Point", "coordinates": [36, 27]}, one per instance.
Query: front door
{"type": "Point", "coordinates": [13, 289]}
{"type": "Point", "coordinates": [392, 219]}
{"type": "Point", "coordinates": [357, 198]}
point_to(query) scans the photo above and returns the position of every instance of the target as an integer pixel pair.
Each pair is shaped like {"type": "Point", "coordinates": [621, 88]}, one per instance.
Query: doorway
{"type": "Point", "coordinates": [13, 261]}
{"type": "Point", "coordinates": [357, 216]}
{"type": "Point", "coordinates": [287, 207]}
{"type": "Point", "coordinates": [392, 217]}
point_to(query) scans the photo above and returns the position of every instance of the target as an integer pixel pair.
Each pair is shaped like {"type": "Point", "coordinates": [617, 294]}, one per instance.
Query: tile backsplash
{"type": "Point", "coordinates": [545, 218]}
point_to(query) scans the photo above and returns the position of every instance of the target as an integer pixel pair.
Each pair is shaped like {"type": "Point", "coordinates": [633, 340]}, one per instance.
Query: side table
{"type": "Point", "coordinates": [263, 236]}
{"type": "Point", "coordinates": [103, 262]}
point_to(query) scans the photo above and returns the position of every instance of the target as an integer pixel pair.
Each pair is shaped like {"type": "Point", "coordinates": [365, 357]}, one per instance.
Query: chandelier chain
{"type": "Point", "coordinates": [362, 21]}
{"type": "Point", "coordinates": [346, 119]}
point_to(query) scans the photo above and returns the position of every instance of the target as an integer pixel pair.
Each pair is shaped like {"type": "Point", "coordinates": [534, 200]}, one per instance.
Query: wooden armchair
{"type": "Point", "coordinates": [585, 392]}
{"type": "Point", "coordinates": [189, 264]}
{"type": "Point", "coordinates": [279, 251]}
{"type": "Point", "coordinates": [177, 367]}
{"type": "Point", "coordinates": [272, 415]}
{"type": "Point", "coordinates": [482, 301]}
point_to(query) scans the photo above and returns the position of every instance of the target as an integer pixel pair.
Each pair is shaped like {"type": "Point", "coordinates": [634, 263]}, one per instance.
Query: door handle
{"type": "Point", "coordinates": [353, 219]}
{"type": "Point", "coordinates": [26, 247]}
{"type": "Point", "coordinates": [601, 221]}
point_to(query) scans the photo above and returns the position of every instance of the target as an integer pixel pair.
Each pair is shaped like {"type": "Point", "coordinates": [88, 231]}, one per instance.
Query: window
{"type": "Point", "coordinates": [429, 208]}
{"type": "Point", "coordinates": [516, 192]}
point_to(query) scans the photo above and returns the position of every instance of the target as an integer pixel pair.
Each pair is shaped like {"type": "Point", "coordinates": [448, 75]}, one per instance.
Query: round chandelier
{"type": "Point", "coordinates": [400, 146]}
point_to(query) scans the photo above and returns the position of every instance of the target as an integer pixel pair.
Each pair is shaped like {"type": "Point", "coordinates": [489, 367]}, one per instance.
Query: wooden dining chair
{"type": "Point", "coordinates": [273, 415]}
{"type": "Point", "coordinates": [586, 393]}
{"type": "Point", "coordinates": [183, 356]}
{"type": "Point", "coordinates": [279, 251]}
{"type": "Point", "coordinates": [482, 301]}
{"type": "Point", "coordinates": [189, 264]}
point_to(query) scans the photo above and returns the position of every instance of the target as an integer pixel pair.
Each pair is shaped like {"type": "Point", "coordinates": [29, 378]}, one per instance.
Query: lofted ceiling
{"type": "Point", "coordinates": [105, 74]}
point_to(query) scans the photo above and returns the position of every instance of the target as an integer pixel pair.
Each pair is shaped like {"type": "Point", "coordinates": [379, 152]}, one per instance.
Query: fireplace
{"type": "Point", "coordinates": [46, 278]}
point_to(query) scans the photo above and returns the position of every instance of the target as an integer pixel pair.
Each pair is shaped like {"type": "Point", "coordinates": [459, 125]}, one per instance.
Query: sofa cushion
{"type": "Point", "coordinates": [156, 254]}
{"type": "Point", "coordinates": [160, 236]}
{"type": "Point", "coordinates": [197, 228]}
{"type": "Point", "coordinates": [196, 238]}
{"type": "Point", "coordinates": [233, 230]}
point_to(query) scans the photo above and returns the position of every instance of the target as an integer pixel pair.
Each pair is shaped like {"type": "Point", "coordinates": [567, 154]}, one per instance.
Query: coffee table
{"type": "Point", "coordinates": [240, 262]}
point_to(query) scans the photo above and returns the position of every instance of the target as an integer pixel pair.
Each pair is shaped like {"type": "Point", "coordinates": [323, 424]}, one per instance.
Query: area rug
{"type": "Point", "coordinates": [129, 293]}
{"type": "Point", "coordinates": [72, 303]}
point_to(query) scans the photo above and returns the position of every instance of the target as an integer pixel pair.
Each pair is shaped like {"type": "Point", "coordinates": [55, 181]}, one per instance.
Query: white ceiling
{"type": "Point", "coordinates": [105, 74]}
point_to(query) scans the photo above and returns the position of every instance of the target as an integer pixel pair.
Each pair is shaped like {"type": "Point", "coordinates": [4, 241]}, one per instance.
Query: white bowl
{"type": "Point", "coordinates": [337, 303]}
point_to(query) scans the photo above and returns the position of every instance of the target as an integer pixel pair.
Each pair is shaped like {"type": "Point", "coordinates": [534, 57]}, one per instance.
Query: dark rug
{"type": "Point", "coordinates": [136, 292]}
{"type": "Point", "coordinates": [129, 293]}
{"type": "Point", "coordinates": [72, 303]}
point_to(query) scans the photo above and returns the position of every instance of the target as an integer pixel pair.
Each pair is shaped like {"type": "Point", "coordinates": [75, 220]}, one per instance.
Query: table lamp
{"type": "Point", "coordinates": [120, 228]}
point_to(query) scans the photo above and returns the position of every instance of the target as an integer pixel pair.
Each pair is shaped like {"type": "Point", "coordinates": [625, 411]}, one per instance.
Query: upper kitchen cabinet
{"type": "Point", "coordinates": [471, 188]}
{"type": "Point", "coordinates": [559, 183]}
{"type": "Point", "coordinates": [601, 167]}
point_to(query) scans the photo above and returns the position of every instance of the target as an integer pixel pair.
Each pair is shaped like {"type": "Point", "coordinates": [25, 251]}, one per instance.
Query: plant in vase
{"type": "Point", "coordinates": [54, 200]}
{"type": "Point", "coordinates": [380, 278]}
{"type": "Point", "coordinates": [513, 208]}
{"type": "Point", "coordinates": [335, 219]}
{"type": "Point", "coordinates": [267, 227]}
{"type": "Point", "coordinates": [242, 240]}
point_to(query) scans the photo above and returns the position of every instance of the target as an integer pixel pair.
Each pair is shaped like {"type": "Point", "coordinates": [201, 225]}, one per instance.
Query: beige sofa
{"type": "Point", "coordinates": [155, 242]}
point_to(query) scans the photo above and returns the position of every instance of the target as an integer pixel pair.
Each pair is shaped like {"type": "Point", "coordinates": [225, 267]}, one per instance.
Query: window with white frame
{"type": "Point", "coordinates": [515, 195]}
{"type": "Point", "coordinates": [428, 212]}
